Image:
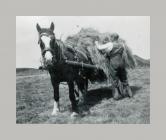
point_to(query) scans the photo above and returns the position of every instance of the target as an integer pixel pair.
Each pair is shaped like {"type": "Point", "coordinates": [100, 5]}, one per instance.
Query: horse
{"type": "Point", "coordinates": [54, 52]}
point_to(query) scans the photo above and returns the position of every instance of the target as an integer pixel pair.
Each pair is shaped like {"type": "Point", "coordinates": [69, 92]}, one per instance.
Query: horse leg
{"type": "Point", "coordinates": [73, 99]}
{"type": "Point", "coordinates": [76, 91]}
{"type": "Point", "coordinates": [56, 108]}
{"type": "Point", "coordinates": [124, 79]}
{"type": "Point", "coordinates": [83, 87]}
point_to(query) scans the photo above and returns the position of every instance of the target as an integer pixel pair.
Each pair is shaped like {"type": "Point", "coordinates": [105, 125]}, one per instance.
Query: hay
{"type": "Point", "coordinates": [98, 59]}
{"type": "Point", "coordinates": [84, 41]}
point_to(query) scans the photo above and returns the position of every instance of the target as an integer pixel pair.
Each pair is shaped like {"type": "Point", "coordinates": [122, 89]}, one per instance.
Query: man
{"type": "Point", "coordinates": [110, 49]}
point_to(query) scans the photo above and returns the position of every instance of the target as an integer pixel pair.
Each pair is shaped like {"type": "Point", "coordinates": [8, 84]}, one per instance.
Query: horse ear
{"type": "Point", "coordinates": [52, 26]}
{"type": "Point", "coordinates": [38, 27]}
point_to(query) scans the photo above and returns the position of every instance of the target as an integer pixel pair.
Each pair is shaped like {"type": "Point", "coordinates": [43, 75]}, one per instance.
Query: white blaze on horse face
{"type": "Point", "coordinates": [46, 40]}
{"type": "Point", "coordinates": [48, 56]}
{"type": "Point", "coordinates": [56, 108]}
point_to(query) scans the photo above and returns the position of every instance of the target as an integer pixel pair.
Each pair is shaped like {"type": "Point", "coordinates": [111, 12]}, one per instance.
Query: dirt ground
{"type": "Point", "coordinates": [34, 101]}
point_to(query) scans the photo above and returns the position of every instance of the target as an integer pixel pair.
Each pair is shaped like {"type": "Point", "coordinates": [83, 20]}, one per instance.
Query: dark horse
{"type": "Point", "coordinates": [54, 53]}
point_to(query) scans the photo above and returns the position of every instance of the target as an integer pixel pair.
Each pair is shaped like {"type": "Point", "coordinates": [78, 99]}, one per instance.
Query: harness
{"type": "Point", "coordinates": [58, 53]}
{"type": "Point", "coordinates": [45, 34]}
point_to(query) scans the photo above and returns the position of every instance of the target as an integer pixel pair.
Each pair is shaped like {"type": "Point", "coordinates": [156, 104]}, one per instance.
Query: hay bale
{"type": "Point", "coordinates": [84, 41]}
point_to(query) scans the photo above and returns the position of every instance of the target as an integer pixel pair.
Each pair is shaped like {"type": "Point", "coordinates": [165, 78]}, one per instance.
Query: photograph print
{"type": "Point", "coordinates": [83, 70]}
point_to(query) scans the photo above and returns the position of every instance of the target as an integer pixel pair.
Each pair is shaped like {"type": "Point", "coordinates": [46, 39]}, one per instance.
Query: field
{"type": "Point", "coordinates": [34, 101]}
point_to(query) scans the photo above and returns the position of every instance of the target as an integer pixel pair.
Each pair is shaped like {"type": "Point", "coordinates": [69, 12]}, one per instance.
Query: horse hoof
{"type": "Point", "coordinates": [55, 113]}
{"type": "Point", "coordinates": [74, 114]}
{"type": "Point", "coordinates": [81, 100]}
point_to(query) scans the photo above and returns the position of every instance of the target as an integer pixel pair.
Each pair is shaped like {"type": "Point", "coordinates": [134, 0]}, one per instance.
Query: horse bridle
{"type": "Point", "coordinates": [52, 36]}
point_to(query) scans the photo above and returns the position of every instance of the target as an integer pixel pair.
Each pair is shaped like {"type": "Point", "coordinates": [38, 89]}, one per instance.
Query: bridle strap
{"type": "Point", "coordinates": [45, 50]}
{"type": "Point", "coordinates": [45, 34]}
{"type": "Point", "coordinates": [58, 50]}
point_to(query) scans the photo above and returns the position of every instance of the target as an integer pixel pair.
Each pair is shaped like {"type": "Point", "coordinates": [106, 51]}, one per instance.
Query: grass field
{"type": "Point", "coordinates": [34, 101]}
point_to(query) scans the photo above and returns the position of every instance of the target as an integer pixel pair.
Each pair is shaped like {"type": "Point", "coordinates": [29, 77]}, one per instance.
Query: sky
{"type": "Point", "coordinates": [134, 29]}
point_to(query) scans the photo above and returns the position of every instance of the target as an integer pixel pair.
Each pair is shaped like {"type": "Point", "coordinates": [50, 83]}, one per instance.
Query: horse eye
{"type": "Point", "coordinates": [42, 45]}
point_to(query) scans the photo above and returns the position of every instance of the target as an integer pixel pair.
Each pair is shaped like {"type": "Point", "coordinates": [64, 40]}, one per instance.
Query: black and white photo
{"type": "Point", "coordinates": [83, 69]}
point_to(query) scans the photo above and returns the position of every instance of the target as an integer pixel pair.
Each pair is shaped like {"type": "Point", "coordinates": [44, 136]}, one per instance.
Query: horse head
{"type": "Point", "coordinates": [48, 45]}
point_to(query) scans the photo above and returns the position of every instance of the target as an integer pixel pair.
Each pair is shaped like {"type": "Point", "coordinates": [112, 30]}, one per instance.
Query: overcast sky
{"type": "Point", "coordinates": [135, 30]}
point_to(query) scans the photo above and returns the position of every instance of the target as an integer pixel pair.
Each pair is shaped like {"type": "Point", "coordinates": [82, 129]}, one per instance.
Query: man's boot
{"type": "Point", "coordinates": [116, 94]}
{"type": "Point", "coordinates": [116, 90]}
{"type": "Point", "coordinates": [127, 90]}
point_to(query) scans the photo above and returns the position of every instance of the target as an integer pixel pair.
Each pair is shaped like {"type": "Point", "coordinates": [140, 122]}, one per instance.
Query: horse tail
{"type": "Point", "coordinates": [128, 57]}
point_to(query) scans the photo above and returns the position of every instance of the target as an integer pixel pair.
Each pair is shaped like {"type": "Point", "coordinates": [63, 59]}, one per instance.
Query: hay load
{"type": "Point", "coordinates": [84, 41]}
